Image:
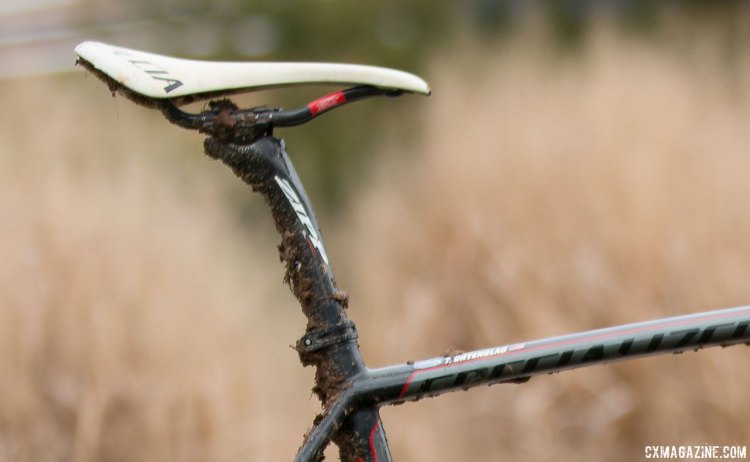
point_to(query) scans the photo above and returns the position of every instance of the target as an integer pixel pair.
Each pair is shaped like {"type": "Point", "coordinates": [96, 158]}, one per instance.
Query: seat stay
{"type": "Point", "coordinates": [164, 77]}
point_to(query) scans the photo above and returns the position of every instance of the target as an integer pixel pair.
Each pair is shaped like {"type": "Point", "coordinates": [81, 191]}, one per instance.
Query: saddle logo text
{"type": "Point", "coordinates": [154, 71]}
{"type": "Point", "coordinates": [311, 234]}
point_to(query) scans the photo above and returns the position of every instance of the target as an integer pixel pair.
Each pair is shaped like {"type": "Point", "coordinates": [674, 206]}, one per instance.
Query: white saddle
{"type": "Point", "coordinates": [157, 76]}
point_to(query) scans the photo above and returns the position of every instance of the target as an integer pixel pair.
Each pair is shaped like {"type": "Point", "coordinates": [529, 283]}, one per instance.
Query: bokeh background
{"type": "Point", "coordinates": [579, 164]}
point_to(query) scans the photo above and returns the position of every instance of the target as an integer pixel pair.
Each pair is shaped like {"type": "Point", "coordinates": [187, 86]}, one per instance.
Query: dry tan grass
{"type": "Point", "coordinates": [548, 195]}
{"type": "Point", "coordinates": [553, 195]}
{"type": "Point", "coordinates": [130, 327]}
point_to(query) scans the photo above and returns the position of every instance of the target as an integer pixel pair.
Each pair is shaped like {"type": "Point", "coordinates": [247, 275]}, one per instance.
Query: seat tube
{"type": "Point", "coordinates": [329, 343]}
{"type": "Point", "coordinates": [363, 439]}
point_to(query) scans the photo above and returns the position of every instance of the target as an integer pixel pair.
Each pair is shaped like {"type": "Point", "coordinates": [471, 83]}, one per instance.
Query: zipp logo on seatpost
{"type": "Point", "coordinates": [154, 71]}
{"type": "Point", "coordinates": [310, 233]}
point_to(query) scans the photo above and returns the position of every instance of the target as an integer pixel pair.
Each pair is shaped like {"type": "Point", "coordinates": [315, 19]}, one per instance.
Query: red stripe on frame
{"type": "Point", "coordinates": [372, 441]}
{"type": "Point", "coordinates": [406, 385]}
{"type": "Point", "coordinates": [327, 102]}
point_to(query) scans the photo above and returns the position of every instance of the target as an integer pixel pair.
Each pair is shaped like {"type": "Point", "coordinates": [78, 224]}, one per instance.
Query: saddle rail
{"type": "Point", "coordinates": [165, 83]}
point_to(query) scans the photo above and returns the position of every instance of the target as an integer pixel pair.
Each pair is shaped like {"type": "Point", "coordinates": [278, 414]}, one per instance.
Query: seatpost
{"type": "Point", "coordinates": [330, 340]}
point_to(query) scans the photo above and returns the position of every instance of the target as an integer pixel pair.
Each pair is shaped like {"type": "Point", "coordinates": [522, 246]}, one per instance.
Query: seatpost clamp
{"type": "Point", "coordinates": [318, 339]}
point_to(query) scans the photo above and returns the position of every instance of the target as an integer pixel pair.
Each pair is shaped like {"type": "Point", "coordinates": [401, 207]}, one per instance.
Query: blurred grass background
{"type": "Point", "coordinates": [579, 164]}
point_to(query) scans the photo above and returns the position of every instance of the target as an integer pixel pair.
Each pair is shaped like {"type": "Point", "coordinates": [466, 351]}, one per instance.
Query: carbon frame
{"type": "Point", "coordinates": [352, 394]}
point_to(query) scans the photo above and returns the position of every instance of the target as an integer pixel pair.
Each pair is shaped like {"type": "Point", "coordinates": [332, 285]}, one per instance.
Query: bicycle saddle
{"type": "Point", "coordinates": [164, 77]}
